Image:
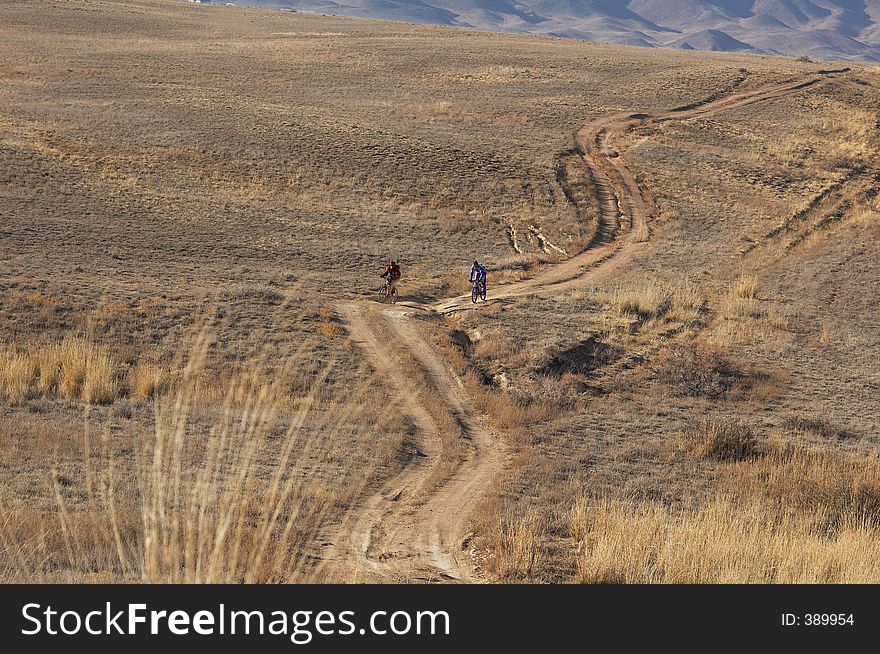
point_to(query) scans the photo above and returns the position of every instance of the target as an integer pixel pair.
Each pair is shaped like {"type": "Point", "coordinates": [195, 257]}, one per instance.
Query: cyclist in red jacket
{"type": "Point", "coordinates": [392, 272]}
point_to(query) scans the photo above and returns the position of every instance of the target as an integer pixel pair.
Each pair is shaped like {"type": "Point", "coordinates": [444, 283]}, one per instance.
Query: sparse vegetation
{"type": "Point", "coordinates": [260, 292]}
{"type": "Point", "coordinates": [269, 199]}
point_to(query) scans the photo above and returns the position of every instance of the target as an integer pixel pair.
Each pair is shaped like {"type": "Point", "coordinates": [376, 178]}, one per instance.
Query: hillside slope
{"type": "Point", "coordinates": [673, 376]}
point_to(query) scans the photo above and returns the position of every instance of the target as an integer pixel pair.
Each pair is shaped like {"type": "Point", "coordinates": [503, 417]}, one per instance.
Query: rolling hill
{"type": "Point", "coordinates": [825, 29]}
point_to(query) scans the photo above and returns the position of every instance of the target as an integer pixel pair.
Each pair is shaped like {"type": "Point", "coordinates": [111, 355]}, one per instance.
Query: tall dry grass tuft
{"type": "Point", "coordinates": [73, 369]}
{"type": "Point", "coordinates": [73, 361]}
{"type": "Point", "coordinates": [734, 307]}
{"type": "Point", "coordinates": [722, 439]}
{"type": "Point", "coordinates": [17, 376]}
{"type": "Point", "coordinates": [99, 385]}
{"type": "Point", "coordinates": [236, 516]}
{"type": "Point", "coordinates": [517, 545]}
{"type": "Point", "coordinates": [653, 299]}
{"type": "Point", "coordinates": [746, 287]}
{"type": "Point", "coordinates": [648, 300]}
{"type": "Point", "coordinates": [146, 380]}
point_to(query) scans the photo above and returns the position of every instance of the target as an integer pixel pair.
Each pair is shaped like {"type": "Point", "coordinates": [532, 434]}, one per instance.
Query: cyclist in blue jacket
{"type": "Point", "coordinates": [478, 274]}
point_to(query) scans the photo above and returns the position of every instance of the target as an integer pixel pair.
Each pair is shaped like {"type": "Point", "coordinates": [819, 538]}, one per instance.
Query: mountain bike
{"type": "Point", "coordinates": [478, 291]}
{"type": "Point", "coordinates": [383, 293]}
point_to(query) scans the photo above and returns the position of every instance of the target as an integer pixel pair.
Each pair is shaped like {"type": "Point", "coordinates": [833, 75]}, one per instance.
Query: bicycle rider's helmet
{"type": "Point", "coordinates": [476, 263]}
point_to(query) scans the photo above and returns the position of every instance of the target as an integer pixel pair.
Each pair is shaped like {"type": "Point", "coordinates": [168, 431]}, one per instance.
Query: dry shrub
{"type": "Point", "coordinates": [696, 369]}
{"type": "Point", "coordinates": [557, 391]}
{"type": "Point", "coordinates": [330, 329]}
{"type": "Point", "coordinates": [721, 439]}
{"type": "Point", "coordinates": [722, 542]}
{"type": "Point", "coordinates": [507, 411]}
{"type": "Point", "coordinates": [328, 325]}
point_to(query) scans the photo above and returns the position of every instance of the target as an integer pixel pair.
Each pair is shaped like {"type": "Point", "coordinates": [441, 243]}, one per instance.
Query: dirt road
{"type": "Point", "coordinates": [416, 527]}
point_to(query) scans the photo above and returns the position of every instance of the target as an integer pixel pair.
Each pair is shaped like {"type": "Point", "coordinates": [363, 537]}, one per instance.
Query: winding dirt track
{"type": "Point", "coordinates": [415, 527]}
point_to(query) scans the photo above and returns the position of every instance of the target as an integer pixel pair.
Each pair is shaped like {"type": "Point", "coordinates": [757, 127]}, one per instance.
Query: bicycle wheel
{"type": "Point", "coordinates": [393, 296]}
{"type": "Point", "coordinates": [483, 293]}
{"type": "Point", "coordinates": [382, 295]}
{"type": "Point", "coordinates": [474, 294]}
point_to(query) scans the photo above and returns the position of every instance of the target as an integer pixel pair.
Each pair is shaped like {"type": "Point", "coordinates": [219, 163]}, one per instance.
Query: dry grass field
{"type": "Point", "coordinates": [197, 384]}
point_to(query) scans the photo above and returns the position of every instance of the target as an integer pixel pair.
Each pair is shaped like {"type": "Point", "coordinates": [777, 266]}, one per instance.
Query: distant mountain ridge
{"type": "Point", "coordinates": [825, 29]}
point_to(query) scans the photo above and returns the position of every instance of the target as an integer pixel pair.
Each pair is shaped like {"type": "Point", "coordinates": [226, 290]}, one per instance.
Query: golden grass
{"type": "Point", "coordinates": [746, 287]}
{"type": "Point", "coordinates": [783, 513]}
{"type": "Point", "coordinates": [654, 299]}
{"type": "Point", "coordinates": [722, 542]}
{"type": "Point", "coordinates": [839, 488]}
{"type": "Point", "coordinates": [17, 376]}
{"type": "Point", "coordinates": [516, 549]}
{"type": "Point", "coordinates": [99, 384]}
{"type": "Point", "coordinates": [73, 369]}
{"type": "Point", "coordinates": [721, 439]}
{"type": "Point", "coordinates": [146, 380]}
